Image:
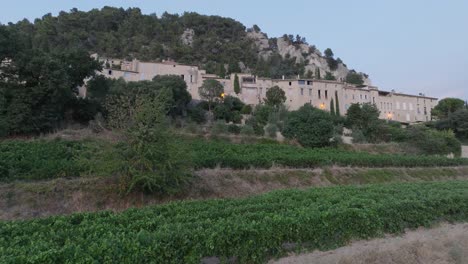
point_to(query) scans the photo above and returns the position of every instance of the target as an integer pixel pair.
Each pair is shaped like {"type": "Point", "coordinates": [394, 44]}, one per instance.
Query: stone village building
{"type": "Point", "coordinates": [400, 107]}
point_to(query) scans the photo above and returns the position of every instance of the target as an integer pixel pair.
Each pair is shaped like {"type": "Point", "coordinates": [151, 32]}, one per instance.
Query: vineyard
{"type": "Point", "coordinates": [40, 159]}
{"type": "Point", "coordinates": [250, 230]}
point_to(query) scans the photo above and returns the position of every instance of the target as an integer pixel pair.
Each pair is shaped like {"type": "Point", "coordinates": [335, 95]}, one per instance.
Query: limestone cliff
{"type": "Point", "coordinates": [308, 54]}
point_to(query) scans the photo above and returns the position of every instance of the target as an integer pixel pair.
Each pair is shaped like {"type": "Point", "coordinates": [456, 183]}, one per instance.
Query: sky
{"type": "Point", "coordinates": [411, 46]}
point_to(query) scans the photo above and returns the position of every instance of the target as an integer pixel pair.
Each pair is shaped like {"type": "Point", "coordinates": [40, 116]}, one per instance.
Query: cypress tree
{"type": "Point", "coordinates": [317, 73]}
{"type": "Point", "coordinates": [236, 84]}
{"type": "Point", "coordinates": [337, 104]}
{"type": "Point", "coordinates": [332, 107]}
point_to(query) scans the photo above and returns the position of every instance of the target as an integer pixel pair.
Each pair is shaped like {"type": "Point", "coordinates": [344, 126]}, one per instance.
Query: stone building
{"type": "Point", "coordinates": [400, 107]}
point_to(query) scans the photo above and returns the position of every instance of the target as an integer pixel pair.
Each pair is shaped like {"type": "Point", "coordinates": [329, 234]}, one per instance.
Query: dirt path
{"type": "Point", "coordinates": [442, 245]}
{"type": "Point", "coordinates": [465, 151]}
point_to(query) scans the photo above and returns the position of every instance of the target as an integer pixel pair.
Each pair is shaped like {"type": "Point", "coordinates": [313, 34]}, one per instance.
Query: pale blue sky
{"type": "Point", "coordinates": [408, 45]}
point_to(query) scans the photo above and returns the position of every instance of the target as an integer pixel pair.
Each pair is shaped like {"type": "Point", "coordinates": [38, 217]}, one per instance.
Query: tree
{"type": "Point", "coordinates": [447, 106]}
{"type": "Point", "coordinates": [328, 53]}
{"type": "Point", "coordinates": [354, 78]}
{"type": "Point", "coordinates": [236, 84]}
{"type": "Point", "coordinates": [317, 73]}
{"type": "Point", "coordinates": [211, 90]}
{"type": "Point", "coordinates": [364, 117]}
{"type": "Point", "coordinates": [332, 107]}
{"type": "Point", "coordinates": [337, 104]}
{"type": "Point", "coordinates": [180, 95]}
{"type": "Point", "coordinates": [329, 76]}
{"type": "Point", "coordinates": [311, 127]}
{"type": "Point", "coordinates": [457, 122]}
{"type": "Point", "coordinates": [275, 96]}
{"type": "Point", "coordinates": [153, 162]}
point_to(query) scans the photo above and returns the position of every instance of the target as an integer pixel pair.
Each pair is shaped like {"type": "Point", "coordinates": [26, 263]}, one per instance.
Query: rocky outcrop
{"type": "Point", "coordinates": [187, 36]}
{"type": "Point", "coordinates": [311, 56]}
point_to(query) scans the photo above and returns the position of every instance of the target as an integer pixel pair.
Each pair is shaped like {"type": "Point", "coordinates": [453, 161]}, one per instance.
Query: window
{"type": "Point", "coordinates": [373, 100]}
{"type": "Point", "coordinates": [290, 83]}
{"type": "Point", "coordinates": [361, 96]}
{"type": "Point", "coordinates": [353, 97]}
{"type": "Point", "coordinates": [346, 107]}
{"type": "Point", "coordinates": [302, 91]}
{"type": "Point", "coordinates": [110, 72]}
{"type": "Point", "coordinates": [404, 106]}
{"type": "Point", "coordinates": [261, 91]}
{"type": "Point", "coordinates": [398, 105]}
{"type": "Point", "coordinates": [381, 105]}
{"type": "Point", "coordinates": [182, 76]}
{"type": "Point", "coordinates": [366, 96]}
{"type": "Point", "coordinates": [309, 82]}
{"type": "Point", "coordinates": [319, 94]}
{"type": "Point", "coordinates": [411, 107]}
{"type": "Point", "coordinates": [301, 82]}
{"type": "Point", "coordinates": [173, 66]}
{"type": "Point", "coordinates": [191, 78]}
{"type": "Point", "coordinates": [408, 118]}
{"type": "Point", "coordinates": [310, 92]}
{"type": "Point", "coordinates": [346, 96]}
{"type": "Point", "coordinates": [326, 94]}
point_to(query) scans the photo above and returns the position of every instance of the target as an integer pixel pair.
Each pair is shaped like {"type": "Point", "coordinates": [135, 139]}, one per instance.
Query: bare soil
{"type": "Point", "coordinates": [23, 200]}
{"type": "Point", "coordinates": [445, 244]}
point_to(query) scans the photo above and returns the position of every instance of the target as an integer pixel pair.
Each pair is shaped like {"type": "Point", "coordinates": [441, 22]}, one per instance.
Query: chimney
{"type": "Point", "coordinates": [282, 77]}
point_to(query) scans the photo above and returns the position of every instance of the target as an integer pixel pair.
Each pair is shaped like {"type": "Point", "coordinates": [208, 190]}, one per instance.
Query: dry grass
{"type": "Point", "coordinates": [22, 200]}
{"type": "Point", "coordinates": [442, 245]}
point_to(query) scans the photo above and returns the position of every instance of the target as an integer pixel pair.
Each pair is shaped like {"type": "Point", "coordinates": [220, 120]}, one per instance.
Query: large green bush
{"type": "Point", "coordinates": [310, 126]}
{"type": "Point", "coordinates": [433, 142]}
{"type": "Point", "coordinates": [251, 230]}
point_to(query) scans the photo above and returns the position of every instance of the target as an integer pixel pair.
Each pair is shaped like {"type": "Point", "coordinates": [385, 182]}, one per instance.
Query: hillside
{"type": "Point", "coordinates": [219, 45]}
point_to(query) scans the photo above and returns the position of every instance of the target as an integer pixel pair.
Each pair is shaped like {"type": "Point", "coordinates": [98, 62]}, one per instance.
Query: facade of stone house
{"type": "Point", "coordinates": [400, 107]}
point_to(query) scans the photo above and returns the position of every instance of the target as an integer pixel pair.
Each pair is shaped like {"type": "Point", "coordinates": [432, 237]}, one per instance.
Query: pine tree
{"type": "Point", "coordinates": [236, 84]}
{"type": "Point", "coordinates": [337, 104]}
{"type": "Point", "coordinates": [332, 107]}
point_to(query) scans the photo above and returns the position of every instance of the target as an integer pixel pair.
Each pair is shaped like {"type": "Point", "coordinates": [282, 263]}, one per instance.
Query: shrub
{"type": "Point", "coordinates": [310, 126]}
{"type": "Point", "coordinates": [197, 114]}
{"type": "Point", "coordinates": [271, 130]}
{"type": "Point", "coordinates": [246, 110]}
{"type": "Point", "coordinates": [358, 136]}
{"type": "Point", "coordinates": [219, 127]}
{"type": "Point", "coordinates": [247, 130]}
{"type": "Point", "coordinates": [234, 129]}
{"type": "Point", "coordinates": [258, 128]}
{"type": "Point", "coordinates": [433, 142]}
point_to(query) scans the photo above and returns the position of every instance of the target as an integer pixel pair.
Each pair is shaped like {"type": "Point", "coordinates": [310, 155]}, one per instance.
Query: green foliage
{"type": "Point", "coordinates": [186, 232]}
{"type": "Point", "coordinates": [310, 126]}
{"type": "Point", "coordinates": [447, 106]}
{"type": "Point", "coordinates": [219, 127]}
{"type": "Point", "coordinates": [275, 96]}
{"type": "Point", "coordinates": [256, 125]}
{"type": "Point", "coordinates": [457, 122]}
{"type": "Point", "coordinates": [337, 104]}
{"type": "Point", "coordinates": [332, 107]}
{"type": "Point", "coordinates": [364, 117]}
{"type": "Point", "coordinates": [276, 66]}
{"type": "Point", "coordinates": [246, 110]}
{"type": "Point", "coordinates": [229, 109]}
{"type": "Point", "coordinates": [354, 78]}
{"type": "Point", "coordinates": [180, 95]}
{"type": "Point", "coordinates": [197, 114]}
{"type": "Point", "coordinates": [211, 91]}
{"type": "Point", "coordinates": [271, 130]}
{"type": "Point", "coordinates": [433, 142]}
{"type": "Point", "coordinates": [262, 113]}
{"type": "Point", "coordinates": [38, 88]}
{"type": "Point", "coordinates": [328, 53]}
{"type": "Point", "coordinates": [236, 84]}
{"type": "Point", "coordinates": [317, 73]}
{"type": "Point", "coordinates": [234, 129]}
{"type": "Point", "coordinates": [241, 156]}
{"type": "Point", "coordinates": [329, 76]}
{"type": "Point", "coordinates": [153, 162]}
{"type": "Point", "coordinates": [247, 130]}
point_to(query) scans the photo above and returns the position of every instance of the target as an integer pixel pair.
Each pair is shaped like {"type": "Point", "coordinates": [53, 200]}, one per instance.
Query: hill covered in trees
{"type": "Point", "coordinates": [219, 45]}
